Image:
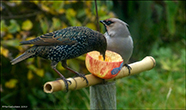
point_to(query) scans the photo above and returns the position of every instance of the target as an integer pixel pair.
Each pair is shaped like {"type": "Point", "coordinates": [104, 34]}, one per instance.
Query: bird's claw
{"type": "Point", "coordinates": [128, 67]}
{"type": "Point", "coordinates": [66, 82]}
{"type": "Point", "coordinates": [69, 82]}
{"type": "Point", "coordinates": [83, 76]}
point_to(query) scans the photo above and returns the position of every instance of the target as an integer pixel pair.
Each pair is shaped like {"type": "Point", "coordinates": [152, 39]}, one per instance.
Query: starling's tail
{"type": "Point", "coordinates": [21, 57]}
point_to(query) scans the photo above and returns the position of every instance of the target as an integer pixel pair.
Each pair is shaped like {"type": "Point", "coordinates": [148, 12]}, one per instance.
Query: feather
{"type": "Point", "coordinates": [22, 57]}
{"type": "Point", "coordinates": [50, 39]}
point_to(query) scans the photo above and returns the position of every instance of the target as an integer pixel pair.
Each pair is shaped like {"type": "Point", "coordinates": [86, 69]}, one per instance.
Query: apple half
{"type": "Point", "coordinates": [105, 69]}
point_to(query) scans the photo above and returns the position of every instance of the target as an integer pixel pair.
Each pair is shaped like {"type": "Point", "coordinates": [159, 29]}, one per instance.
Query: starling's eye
{"type": "Point", "coordinates": [108, 22]}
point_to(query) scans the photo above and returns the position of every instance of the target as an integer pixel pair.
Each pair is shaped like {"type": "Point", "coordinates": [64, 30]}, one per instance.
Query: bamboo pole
{"type": "Point", "coordinates": [77, 83]}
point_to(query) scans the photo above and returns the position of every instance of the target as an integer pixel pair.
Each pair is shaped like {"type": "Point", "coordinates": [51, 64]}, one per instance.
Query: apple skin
{"type": "Point", "coordinates": [103, 69]}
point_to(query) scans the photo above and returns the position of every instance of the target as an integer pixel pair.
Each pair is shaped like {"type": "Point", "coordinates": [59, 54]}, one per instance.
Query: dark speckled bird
{"type": "Point", "coordinates": [64, 44]}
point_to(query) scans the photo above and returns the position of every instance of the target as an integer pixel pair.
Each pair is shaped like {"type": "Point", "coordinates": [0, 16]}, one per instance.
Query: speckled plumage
{"type": "Point", "coordinates": [64, 44]}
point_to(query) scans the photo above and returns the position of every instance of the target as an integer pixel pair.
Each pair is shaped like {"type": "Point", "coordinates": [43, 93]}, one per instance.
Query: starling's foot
{"type": "Point", "coordinates": [66, 82]}
{"type": "Point", "coordinates": [63, 78]}
{"type": "Point", "coordinates": [128, 67]}
{"type": "Point", "coordinates": [64, 64]}
{"type": "Point", "coordinates": [83, 76]}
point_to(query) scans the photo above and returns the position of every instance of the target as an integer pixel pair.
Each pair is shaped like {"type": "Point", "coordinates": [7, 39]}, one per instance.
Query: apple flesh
{"type": "Point", "coordinates": [104, 69]}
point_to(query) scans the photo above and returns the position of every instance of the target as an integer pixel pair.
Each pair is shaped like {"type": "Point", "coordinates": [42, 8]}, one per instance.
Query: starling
{"type": "Point", "coordinates": [118, 38]}
{"type": "Point", "coordinates": [64, 44]}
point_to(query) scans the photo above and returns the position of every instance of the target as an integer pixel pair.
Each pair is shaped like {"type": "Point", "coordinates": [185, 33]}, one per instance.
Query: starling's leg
{"type": "Point", "coordinates": [128, 67]}
{"type": "Point", "coordinates": [62, 77]}
{"type": "Point", "coordinates": [64, 64]}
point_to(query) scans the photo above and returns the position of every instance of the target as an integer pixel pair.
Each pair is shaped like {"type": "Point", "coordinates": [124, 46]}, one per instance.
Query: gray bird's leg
{"type": "Point", "coordinates": [53, 64]}
{"type": "Point", "coordinates": [64, 64]}
{"type": "Point", "coordinates": [128, 67]}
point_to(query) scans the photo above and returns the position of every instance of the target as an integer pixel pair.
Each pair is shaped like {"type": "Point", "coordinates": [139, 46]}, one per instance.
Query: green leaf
{"type": "Point", "coordinates": [58, 5]}
{"type": "Point", "coordinates": [41, 94]}
{"type": "Point", "coordinates": [70, 15]}
{"type": "Point", "coordinates": [45, 8]}
{"type": "Point", "coordinates": [4, 52]}
{"type": "Point", "coordinates": [39, 72]}
{"type": "Point", "coordinates": [30, 75]}
{"type": "Point", "coordinates": [27, 25]}
{"type": "Point", "coordinates": [13, 43]}
{"type": "Point", "coordinates": [11, 83]}
{"type": "Point", "coordinates": [32, 67]}
{"type": "Point", "coordinates": [3, 26]}
{"type": "Point", "coordinates": [33, 101]}
{"type": "Point", "coordinates": [171, 8]}
{"type": "Point", "coordinates": [56, 23]}
{"type": "Point", "coordinates": [14, 26]}
{"type": "Point", "coordinates": [81, 13]}
{"type": "Point", "coordinates": [44, 25]}
{"type": "Point", "coordinates": [166, 64]}
{"type": "Point", "coordinates": [91, 26]}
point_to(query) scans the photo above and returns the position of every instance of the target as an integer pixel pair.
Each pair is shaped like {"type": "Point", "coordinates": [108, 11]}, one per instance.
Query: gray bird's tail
{"type": "Point", "coordinates": [21, 57]}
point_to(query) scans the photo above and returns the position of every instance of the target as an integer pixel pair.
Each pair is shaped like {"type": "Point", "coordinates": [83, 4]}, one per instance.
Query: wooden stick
{"type": "Point", "coordinates": [103, 96]}
{"type": "Point", "coordinates": [77, 83]}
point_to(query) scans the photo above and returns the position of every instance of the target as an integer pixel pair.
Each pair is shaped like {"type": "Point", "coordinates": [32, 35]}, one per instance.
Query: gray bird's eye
{"type": "Point", "coordinates": [108, 22]}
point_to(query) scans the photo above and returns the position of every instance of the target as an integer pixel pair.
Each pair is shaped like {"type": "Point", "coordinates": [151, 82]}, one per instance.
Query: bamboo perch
{"type": "Point", "coordinates": [77, 83]}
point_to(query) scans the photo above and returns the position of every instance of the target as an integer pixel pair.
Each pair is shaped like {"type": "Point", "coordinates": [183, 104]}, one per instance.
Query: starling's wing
{"type": "Point", "coordinates": [53, 38]}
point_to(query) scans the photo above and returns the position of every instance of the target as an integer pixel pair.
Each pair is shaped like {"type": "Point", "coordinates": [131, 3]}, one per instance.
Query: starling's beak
{"type": "Point", "coordinates": [104, 56]}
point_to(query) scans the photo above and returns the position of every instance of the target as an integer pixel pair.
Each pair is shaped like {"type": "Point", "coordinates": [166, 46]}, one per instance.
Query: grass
{"type": "Point", "coordinates": [163, 87]}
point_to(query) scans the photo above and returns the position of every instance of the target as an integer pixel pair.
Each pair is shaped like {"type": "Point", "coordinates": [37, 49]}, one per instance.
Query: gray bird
{"type": "Point", "coordinates": [64, 44]}
{"type": "Point", "coordinates": [118, 38]}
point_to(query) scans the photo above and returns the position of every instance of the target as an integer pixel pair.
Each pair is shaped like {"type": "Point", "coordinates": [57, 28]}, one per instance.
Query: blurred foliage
{"type": "Point", "coordinates": [157, 28]}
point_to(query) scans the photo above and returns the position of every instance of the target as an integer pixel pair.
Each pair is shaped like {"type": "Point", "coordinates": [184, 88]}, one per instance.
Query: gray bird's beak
{"type": "Point", "coordinates": [102, 21]}
{"type": "Point", "coordinates": [105, 25]}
